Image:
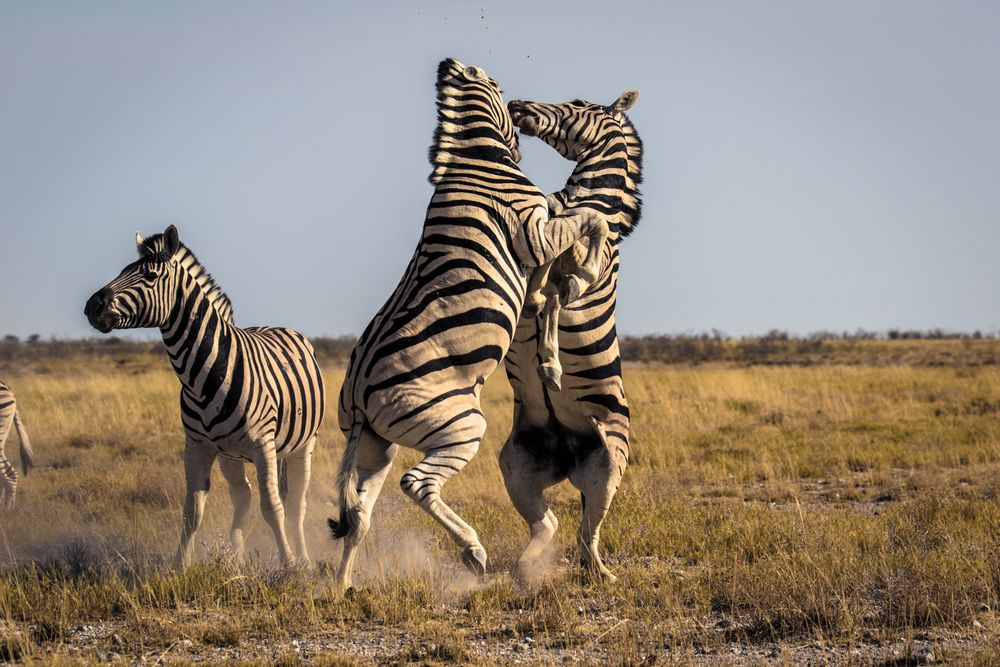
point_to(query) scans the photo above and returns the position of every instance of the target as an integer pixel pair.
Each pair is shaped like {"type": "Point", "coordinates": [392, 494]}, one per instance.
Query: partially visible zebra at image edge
{"type": "Point", "coordinates": [8, 475]}
{"type": "Point", "coordinates": [580, 432]}
{"type": "Point", "coordinates": [416, 373]}
{"type": "Point", "coordinates": [252, 394]}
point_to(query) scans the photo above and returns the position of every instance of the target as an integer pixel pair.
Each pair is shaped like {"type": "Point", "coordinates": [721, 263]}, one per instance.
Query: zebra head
{"type": "Point", "coordinates": [571, 127]}
{"type": "Point", "coordinates": [472, 118]}
{"type": "Point", "coordinates": [144, 292]}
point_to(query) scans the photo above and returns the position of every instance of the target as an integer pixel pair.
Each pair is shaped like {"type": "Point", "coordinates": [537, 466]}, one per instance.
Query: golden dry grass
{"type": "Point", "coordinates": [769, 513]}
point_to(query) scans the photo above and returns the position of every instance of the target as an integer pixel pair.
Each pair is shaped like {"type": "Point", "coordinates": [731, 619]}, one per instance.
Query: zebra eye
{"type": "Point", "coordinates": [150, 275]}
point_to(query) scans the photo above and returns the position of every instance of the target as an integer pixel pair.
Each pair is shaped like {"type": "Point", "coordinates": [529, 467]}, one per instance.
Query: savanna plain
{"type": "Point", "coordinates": [820, 501]}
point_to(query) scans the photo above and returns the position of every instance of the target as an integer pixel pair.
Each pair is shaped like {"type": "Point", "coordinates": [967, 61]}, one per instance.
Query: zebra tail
{"type": "Point", "coordinates": [27, 454]}
{"type": "Point", "coordinates": [347, 481]}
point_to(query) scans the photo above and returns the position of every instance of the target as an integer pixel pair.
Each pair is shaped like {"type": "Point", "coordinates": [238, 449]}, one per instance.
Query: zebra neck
{"type": "Point", "coordinates": [197, 336]}
{"type": "Point", "coordinates": [452, 157]}
{"type": "Point", "coordinates": [603, 176]}
{"type": "Point", "coordinates": [190, 266]}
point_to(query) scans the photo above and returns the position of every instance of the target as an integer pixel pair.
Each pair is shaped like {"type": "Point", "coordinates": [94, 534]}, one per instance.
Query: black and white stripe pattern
{"type": "Point", "coordinates": [580, 432]}
{"type": "Point", "coordinates": [8, 475]}
{"type": "Point", "coordinates": [252, 394]}
{"type": "Point", "coordinates": [416, 374]}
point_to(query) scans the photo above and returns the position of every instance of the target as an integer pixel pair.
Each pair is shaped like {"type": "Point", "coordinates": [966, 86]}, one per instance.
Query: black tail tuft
{"type": "Point", "coordinates": [338, 529]}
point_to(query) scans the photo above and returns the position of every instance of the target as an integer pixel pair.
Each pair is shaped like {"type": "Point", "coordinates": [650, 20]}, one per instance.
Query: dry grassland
{"type": "Point", "coordinates": [846, 511]}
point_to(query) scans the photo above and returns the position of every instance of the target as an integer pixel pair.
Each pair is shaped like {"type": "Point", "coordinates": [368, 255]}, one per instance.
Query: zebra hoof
{"type": "Point", "coordinates": [551, 377]}
{"type": "Point", "coordinates": [571, 288]}
{"type": "Point", "coordinates": [474, 558]}
{"type": "Point", "coordinates": [597, 572]}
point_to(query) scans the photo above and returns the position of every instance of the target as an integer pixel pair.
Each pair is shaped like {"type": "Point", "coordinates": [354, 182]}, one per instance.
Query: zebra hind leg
{"type": "Point", "coordinates": [8, 482]}
{"type": "Point", "coordinates": [298, 467]}
{"type": "Point", "coordinates": [527, 472]}
{"type": "Point", "coordinates": [597, 477]}
{"type": "Point", "coordinates": [423, 482]}
{"type": "Point", "coordinates": [241, 496]}
{"type": "Point", "coordinates": [373, 460]}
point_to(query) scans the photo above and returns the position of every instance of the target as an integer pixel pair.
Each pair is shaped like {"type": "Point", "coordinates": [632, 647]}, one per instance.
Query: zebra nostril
{"type": "Point", "coordinates": [97, 303]}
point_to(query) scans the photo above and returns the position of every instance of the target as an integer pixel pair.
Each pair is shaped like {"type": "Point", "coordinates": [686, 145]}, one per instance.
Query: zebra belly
{"type": "Point", "coordinates": [592, 388]}
{"type": "Point", "coordinates": [275, 394]}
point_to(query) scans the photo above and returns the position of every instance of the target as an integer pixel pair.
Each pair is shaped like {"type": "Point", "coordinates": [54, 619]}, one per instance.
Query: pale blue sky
{"type": "Point", "coordinates": [808, 165]}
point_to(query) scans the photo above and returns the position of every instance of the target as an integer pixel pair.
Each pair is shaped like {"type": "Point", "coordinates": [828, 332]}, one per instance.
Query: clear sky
{"type": "Point", "coordinates": [809, 165]}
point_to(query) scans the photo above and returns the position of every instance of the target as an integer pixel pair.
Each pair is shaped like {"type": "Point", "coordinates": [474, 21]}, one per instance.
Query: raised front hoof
{"type": "Point", "coordinates": [571, 288]}
{"type": "Point", "coordinates": [474, 558]}
{"type": "Point", "coordinates": [551, 377]}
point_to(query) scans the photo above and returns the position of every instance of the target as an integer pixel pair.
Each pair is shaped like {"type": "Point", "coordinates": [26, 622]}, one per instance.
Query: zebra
{"type": "Point", "coordinates": [414, 377]}
{"type": "Point", "coordinates": [253, 394]}
{"type": "Point", "coordinates": [8, 476]}
{"type": "Point", "coordinates": [580, 432]}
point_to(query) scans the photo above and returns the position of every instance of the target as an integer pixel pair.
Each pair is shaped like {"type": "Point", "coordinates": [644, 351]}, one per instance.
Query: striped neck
{"type": "Point", "coordinates": [610, 171]}
{"type": "Point", "coordinates": [199, 326]}
{"type": "Point", "coordinates": [468, 137]}
{"type": "Point", "coordinates": [190, 266]}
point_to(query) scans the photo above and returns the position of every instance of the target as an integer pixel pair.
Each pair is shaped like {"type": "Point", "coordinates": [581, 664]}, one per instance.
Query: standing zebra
{"type": "Point", "coordinates": [251, 394]}
{"type": "Point", "coordinates": [415, 375]}
{"type": "Point", "coordinates": [580, 432]}
{"type": "Point", "coordinates": [8, 476]}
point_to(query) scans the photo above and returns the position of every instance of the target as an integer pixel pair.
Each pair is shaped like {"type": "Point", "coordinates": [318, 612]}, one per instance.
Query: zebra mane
{"type": "Point", "coordinates": [634, 176]}
{"type": "Point", "coordinates": [209, 287]}
{"type": "Point", "coordinates": [155, 248]}
{"type": "Point", "coordinates": [453, 143]}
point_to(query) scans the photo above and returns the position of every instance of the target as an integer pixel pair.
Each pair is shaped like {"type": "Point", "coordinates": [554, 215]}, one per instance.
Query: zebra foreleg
{"type": "Point", "coordinates": [198, 460]}
{"type": "Point", "coordinates": [266, 462]}
{"type": "Point", "coordinates": [581, 265]}
{"type": "Point", "coordinates": [423, 482]}
{"type": "Point", "coordinates": [534, 298]}
{"type": "Point", "coordinates": [373, 460]}
{"type": "Point", "coordinates": [549, 368]}
{"type": "Point", "coordinates": [241, 496]}
{"type": "Point", "coordinates": [298, 468]}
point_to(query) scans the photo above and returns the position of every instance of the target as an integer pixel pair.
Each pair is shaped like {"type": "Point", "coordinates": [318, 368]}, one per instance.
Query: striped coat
{"type": "Point", "coordinates": [579, 432]}
{"type": "Point", "coordinates": [253, 394]}
{"type": "Point", "coordinates": [8, 475]}
{"type": "Point", "coordinates": [415, 376]}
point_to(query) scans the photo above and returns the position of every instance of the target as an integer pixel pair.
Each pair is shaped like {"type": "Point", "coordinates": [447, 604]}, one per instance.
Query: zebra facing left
{"type": "Point", "coordinates": [253, 394]}
{"type": "Point", "coordinates": [9, 417]}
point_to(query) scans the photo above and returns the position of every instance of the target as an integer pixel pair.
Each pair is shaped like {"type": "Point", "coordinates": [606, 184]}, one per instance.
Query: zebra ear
{"type": "Point", "coordinates": [473, 73]}
{"type": "Point", "coordinates": [138, 243]}
{"type": "Point", "coordinates": [171, 240]}
{"type": "Point", "coordinates": [625, 101]}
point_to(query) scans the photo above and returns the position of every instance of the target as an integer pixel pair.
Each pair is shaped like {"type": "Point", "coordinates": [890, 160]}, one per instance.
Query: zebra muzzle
{"type": "Point", "coordinates": [98, 311]}
{"type": "Point", "coordinates": [521, 117]}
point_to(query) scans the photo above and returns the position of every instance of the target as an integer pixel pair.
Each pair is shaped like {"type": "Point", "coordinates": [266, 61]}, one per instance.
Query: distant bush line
{"type": "Point", "coordinates": [935, 347]}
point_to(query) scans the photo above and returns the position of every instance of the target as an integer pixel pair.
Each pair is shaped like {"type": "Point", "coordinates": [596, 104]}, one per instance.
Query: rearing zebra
{"type": "Point", "coordinates": [252, 394]}
{"type": "Point", "coordinates": [416, 373]}
{"type": "Point", "coordinates": [580, 432]}
{"type": "Point", "coordinates": [9, 417]}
